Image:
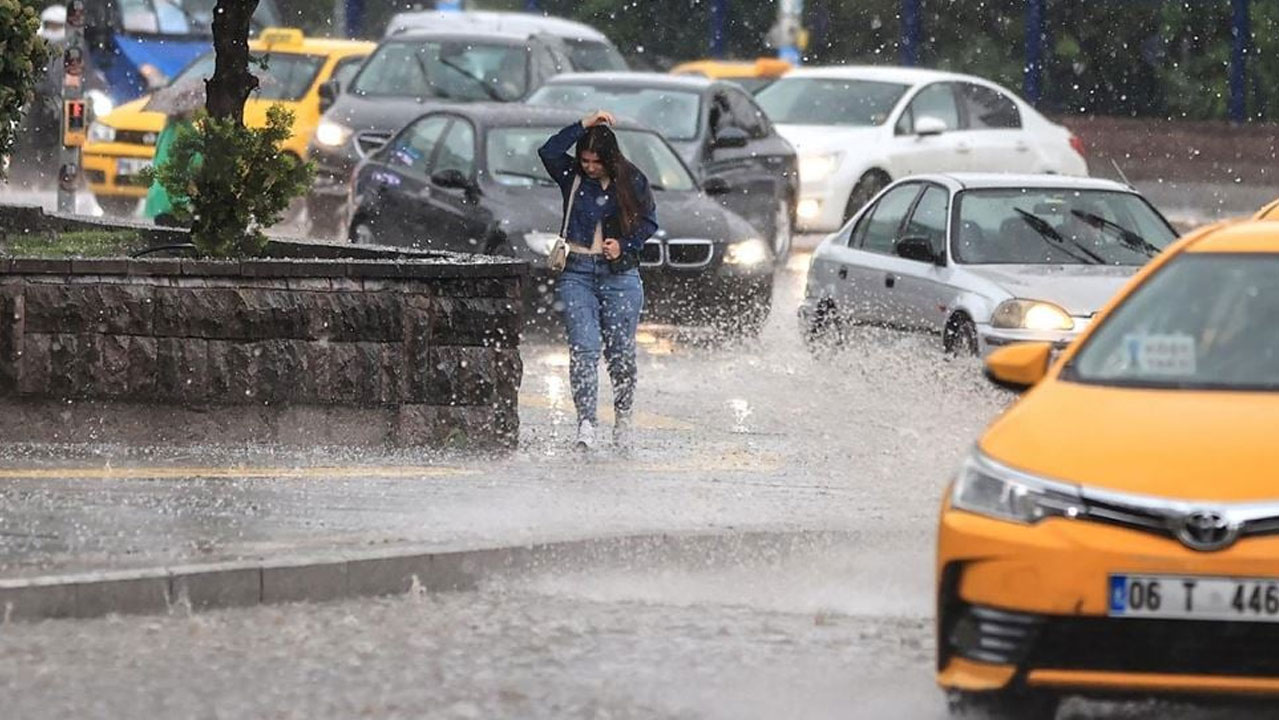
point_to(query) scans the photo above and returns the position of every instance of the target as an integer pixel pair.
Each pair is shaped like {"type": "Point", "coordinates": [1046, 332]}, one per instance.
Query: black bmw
{"type": "Point", "coordinates": [468, 178]}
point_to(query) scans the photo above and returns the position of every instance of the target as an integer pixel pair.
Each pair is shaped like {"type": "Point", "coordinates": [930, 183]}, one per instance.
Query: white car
{"type": "Point", "coordinates": [858, 128]}
{"type": "Point", "coordinates": [983, 260]}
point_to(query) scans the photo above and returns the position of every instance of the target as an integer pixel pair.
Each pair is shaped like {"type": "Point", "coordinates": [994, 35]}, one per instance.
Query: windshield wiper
{"type": "Point", "coordinates": [1048, 233]}
{"type": "Point", "coordinates": [656, 186]}
{"type": "Point", "coordinates": [492, 93]}
{"type": "Point", "coordinates": [1129, 238]}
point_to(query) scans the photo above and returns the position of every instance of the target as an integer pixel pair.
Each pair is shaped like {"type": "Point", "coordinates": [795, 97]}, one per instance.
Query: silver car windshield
{"type": "Point", "coordinates": [673, 113]}
{"type": "Point", "coordinates": [829, 101]}
{"type": "Point", "coordinates": [453, 70]}
{"type": "Point", "coordinates": [1204, 321]}
{"type": "Point", "coordinates": [1045, 226]}
{"type": "Point", "coordinates": [513, 160]}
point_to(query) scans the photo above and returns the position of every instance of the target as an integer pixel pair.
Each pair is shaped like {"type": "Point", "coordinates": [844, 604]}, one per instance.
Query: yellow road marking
{"type": "Point", "coordinates": [169, 473]}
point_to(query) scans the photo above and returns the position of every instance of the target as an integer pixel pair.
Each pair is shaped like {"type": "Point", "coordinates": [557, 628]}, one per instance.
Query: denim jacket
{"type": "Point", "coordinates": [595, 205]}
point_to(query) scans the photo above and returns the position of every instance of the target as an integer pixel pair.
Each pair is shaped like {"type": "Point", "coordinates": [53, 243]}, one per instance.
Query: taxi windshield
{"type": "Point", "coordinates": [1205, 321]}
{"type": "Point", "coordinates": [281, 76]}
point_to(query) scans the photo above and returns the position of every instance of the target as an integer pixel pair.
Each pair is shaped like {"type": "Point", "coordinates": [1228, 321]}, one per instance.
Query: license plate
{"type": "Point", "coordinates": [1194, 598]}
{"type": "Point", "coordinates": [131, 166]}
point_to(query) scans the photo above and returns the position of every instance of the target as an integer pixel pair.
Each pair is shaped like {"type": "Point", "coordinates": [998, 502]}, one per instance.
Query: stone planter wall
{"type": "Point", "coordinates": [400, 352]}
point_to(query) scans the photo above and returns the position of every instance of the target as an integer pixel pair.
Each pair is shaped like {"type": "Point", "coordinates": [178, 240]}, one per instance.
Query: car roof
{"type": "Point", "coordinates": [482, 21]}
{"type": "Point", "coordinates": [491, 37]}
{"type": "Point", "coordinates": [695, 83]}
{"type": "Point", "coordinates": [1244, 236]}
{"type": "Point", "coordinates": [957, 181]}
{"type": "Point", "coordinates": [882, 73]}
{"type": "Point", "coordinates": [494, 114]}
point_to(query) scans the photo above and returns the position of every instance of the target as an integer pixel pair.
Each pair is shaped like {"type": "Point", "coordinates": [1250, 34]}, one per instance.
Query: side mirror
{"type": "Point", "coordinates": [451, 178]}
{"type": "Point", "coordinates": [928, 125]}
{"type": "Point", "coordinates": [1019, 367]}
{"type": "Point", "coordinates": [716, 186]}
{"type": "Point", "coordinates": [730, 137]}
{"type": "Point", "coordinates": [329, 92]}
{"type": "Point", "coordinates": [916, 248]}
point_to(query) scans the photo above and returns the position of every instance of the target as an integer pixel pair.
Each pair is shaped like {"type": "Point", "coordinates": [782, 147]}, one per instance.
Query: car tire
{"type": "Point", "coordinates": [1016, 704]}
{"type": "Point", "coordinates": [960, 337]}
{"type": "Point", "coordinates": [783, 231]}
{"type": "Point", "coordinates": [867, 187]}
{"type": "Point", "coordinates": [822, 329]}
{"type": "Point", "coordinates": [118, 206]}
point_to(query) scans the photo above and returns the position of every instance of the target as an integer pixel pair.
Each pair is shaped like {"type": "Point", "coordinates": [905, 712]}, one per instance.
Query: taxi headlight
{"type": "Point", "coordinates": [815, 168]}
{"type": "Point", "coordinates": [332, 134]}
{"type": "Point", "coordinates": [746, 253]}
{"type": "Point", "coordinates": [540, 242]}
{"type": "Point", "coordinates": [99, 132]}
{"type": "Point", "coordinates": [987, 488]}
{"type": "Point", "coordinates": [1031, 315]}
{"type": "Point", "coordinates": [100, 102]}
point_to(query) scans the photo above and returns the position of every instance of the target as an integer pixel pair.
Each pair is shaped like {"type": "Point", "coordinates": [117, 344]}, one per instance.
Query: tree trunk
{"type": "Point", "coordinates": [232, 82]}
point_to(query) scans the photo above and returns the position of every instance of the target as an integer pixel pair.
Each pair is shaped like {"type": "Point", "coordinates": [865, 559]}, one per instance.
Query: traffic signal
{"type": "Point", "coordinates": [75, 123]}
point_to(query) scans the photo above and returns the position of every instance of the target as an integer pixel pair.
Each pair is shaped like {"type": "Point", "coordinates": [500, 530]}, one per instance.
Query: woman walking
{"type": "Point", "coordinates": [610, 214]}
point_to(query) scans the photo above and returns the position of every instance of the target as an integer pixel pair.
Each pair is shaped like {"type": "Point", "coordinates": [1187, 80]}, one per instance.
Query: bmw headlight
{"type": "Point", "coordinates": [987, 488]}
{"type": "Point", "coordinates": [746, 253]}
{"type": "Point", "coordinates": [540, 242]}
{"type": "Point", "coordinates": [1031, 315]}
{"type": "Point", "coordinates": [98, 132]}
{"type": "Point", "coordinates": [815, 168]}
{"type": "Point", "coordinates": [332, 134]}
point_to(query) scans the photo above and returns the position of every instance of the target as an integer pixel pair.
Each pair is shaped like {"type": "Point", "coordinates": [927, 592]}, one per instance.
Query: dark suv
{"type": "Point", "coordinates": [408, 74]}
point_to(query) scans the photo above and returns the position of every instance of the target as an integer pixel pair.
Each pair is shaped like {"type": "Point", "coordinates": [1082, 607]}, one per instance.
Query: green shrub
{"type": "Point", "coordinates": [22, 58]}
{"type": "Point", "coordinates": [228, 182]}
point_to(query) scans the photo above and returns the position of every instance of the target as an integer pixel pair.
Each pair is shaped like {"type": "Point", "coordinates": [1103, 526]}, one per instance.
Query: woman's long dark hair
{"type": "Point", "coordinates": [601, 141]}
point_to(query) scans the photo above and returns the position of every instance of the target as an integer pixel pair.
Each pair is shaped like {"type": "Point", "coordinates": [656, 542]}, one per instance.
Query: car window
{"type": "Point", "coordinates": [673, 113]}
{"type": "Point", "coordinates": [413, 148]}
{"type": "Point", "coordinates": [929, 219]}
{"type": "Point", "coordinates": [283, 76]}
{"type": "Point", "coordinates": [511, 154]}
{"type": "Point", "coordinates": [936, 100]}
{"type": "Point", "coordinates": [746, 114]}
{"type": "Point", "coordinates": [453, 70]}
{"type": "Point", "coordinates": [829, 101]}
{"type": "Point", "coordinates": [885, 219]}
{"type": "Point", "coordinates": [346, 69]}
{"type": "Point", "coordinates": [457, 151]}
{"type": "Point", "coordinates": [988, 108]}
{"type": "Point", "coordinates": [183, 17]}
{"type": "Point", "coordinates": [594, 56]}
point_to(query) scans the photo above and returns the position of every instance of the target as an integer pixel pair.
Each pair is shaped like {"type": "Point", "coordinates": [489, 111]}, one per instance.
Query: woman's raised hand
{"type": "Point", "coordinates": [597, 117]}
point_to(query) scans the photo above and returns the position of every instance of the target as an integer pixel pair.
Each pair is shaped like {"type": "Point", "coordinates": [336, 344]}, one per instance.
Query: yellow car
{"type": "Point", "coordinates": [1117, 529]}
{"type": "Point", "coordinates": [1269, 212]}
{"type": "Point", "coordinates": [750, 75]}
{"type": "Point", "coordinates": [122, 143]}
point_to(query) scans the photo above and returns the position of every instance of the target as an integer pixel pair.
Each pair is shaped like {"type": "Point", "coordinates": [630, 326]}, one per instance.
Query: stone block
{"type": "Point", "coordinates": [354, 373]}
{"type": "Point", "coordinates": [183, 371]}
{"type": "Point", "coordinates": [155, 266]}
{"type": "Point", "coordinates": [143, 367]}
{"type": "Point", "coordinates": [12, 328]}
{"type": "Point", "coordinates": [317, 582]}
{"type": "Point", "coordinates": [226, 587]}
{"type": "Point", "coordinates": [99, 266]}
{"type": "Point", "coordinates": [69, 308]}
{"type": "Point", "coordinates": [476, 321]}
{"type": "Point", "coordinates": [40, 266]}
{"type": "Point", "coordinates": [124, 596]}
{"type": "Point", "coordinates": [35, 368]}
{"type": "Point", "coordinates": [110, 376]}
{"type": "Point", "coordinates": [479, 287]}
{"type": "Point", "coordinates": [37, 602]}
{"type": "Point", "coordinates": [73, 359]}
{"type": "Point", "coordinates": [387, 575]}
{"type": "Point", "coordinates": [432, 426]}
{"type": "Point", "coordinates": [211, 268]}
{"type": "Point", "coordinates": [461, 375]}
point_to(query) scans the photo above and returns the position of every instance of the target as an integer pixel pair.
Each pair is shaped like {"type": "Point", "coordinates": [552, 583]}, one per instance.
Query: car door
{"type": "Point", "coordinates": [994, 127]}
{"type": "Point", "coordinates": [394, 189]}
{"type": "Point", "coordinates": [451, 213]}
{"type": "Point", "coordinates": [922, 288]}
{"type": "Point", "coordinates": [914, 152]}
{"type": "Point", "coordinates": [868, 269]}
{"type": "Point", "coordinates": [730, 161]}
{"type": "Point", "coordinates": [769, 158]}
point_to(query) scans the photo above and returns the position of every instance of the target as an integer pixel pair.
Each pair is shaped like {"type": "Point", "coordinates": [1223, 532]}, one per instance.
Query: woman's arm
{"type": "Point", "coordinates": [646, 223]}
{"type": "Point", "coordinates": [554, 154]}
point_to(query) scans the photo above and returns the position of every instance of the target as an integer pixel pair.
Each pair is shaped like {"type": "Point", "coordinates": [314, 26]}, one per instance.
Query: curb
{"type": "Point", "coordinates": [336, 576]}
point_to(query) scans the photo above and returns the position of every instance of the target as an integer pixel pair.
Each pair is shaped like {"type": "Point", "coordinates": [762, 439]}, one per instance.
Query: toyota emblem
{"type": "Point", "coordinates": [1207, 530]}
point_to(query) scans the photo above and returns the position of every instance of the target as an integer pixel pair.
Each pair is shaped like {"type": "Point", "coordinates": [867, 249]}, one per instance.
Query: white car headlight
{"type": "Point", "coordinates": [815, 168]}
{"type": "Point", "coordinates": [332, 134]}
{"type": "Point", "coordinates": [746, 253]}
{"type": "Point", "coordinates": [1031, 315]}
{"type": "Point", "coordinates": [987, 488]}
{"type": "Point", "coordinates": [101, 103]}
{"type": "Point", "coordinates": [540, 242]}
{"type": "Point", "coordinates": [99, 132]}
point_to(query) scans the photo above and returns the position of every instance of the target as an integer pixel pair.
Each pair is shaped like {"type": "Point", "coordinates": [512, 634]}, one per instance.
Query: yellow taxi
{"type": "Point", "coordinates": [122, 143]}
{"type": "Point", "coordinates": [1269, 212]}
{"type": "Point", "coordinates": [1117, 529]}
{"type": "Point", "coordinates": [750, 75]}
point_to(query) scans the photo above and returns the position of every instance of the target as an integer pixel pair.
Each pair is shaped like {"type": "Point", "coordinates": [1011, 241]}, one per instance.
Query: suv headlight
{"type": "Point", "coordinates": [815, 168]}
{"type": "Point", "coordinates": [332, 134]}
{"type": "Point", "coordinates": [746, 253]}
{"type": "Point", "coordinates": [540, 242]}
{"type": "Point", "coordinates": [99, 132]}
{"type": "Point", "coordinates": [987, 488]}
{"type": "Point", "coordinates": [1031, 315]}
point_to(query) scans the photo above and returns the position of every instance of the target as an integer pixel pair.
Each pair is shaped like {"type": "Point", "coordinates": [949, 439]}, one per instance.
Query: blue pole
{"type": "Point", "coordinates": [531, 6]}
{"type": "Point", "coordinates": [1240, 32]}
{"type": "Point", "coordinates": [910, 32]}
{"type": "Point", "coordinates": [354, 17]}
{"type": "Point", "coordinates": [449, 5]}
{"type": "Point", "coordinates": [719, 10]}
{"type": "Point", "coordinates": [1034, 51]}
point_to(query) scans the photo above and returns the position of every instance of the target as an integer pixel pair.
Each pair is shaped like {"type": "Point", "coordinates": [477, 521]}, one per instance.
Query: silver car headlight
{"type": "Point", "coordinates": [747, 253]}
{"type": "Point", "coordinates": [1031, 315]}
{"type": "Point", "coordinates": [988, 488]}
{"type": "Point", "coordinates": [540, 242]}
{"type": "Point", "coordinates": [98, 132]}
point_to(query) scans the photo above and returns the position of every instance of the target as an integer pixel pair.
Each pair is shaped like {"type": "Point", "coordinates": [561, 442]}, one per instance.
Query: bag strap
{"type": "Point", "coordinates": [568, 212]}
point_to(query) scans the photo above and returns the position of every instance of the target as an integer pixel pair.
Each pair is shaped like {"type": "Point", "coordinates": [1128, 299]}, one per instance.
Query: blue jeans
{"type": "Point", "coordinates": [601, 311]}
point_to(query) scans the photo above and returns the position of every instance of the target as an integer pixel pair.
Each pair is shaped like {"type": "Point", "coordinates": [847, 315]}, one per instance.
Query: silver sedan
{"type": "Point", "coordinates": [982, 260]}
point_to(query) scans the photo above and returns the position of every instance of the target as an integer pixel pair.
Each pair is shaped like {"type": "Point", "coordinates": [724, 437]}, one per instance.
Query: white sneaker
{"type": "Point", "coordinates": [623, 433]}
{"type": "Point", "coordinates": [585, 436]}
